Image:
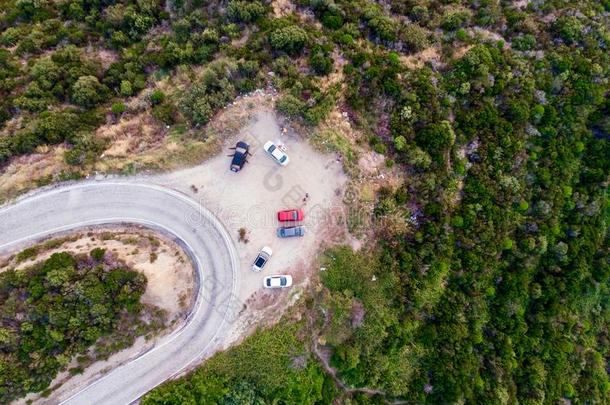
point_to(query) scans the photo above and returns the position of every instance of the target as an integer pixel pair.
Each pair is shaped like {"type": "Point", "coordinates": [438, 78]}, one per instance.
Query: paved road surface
{"type": "Point", "coordinates": [201, 234]}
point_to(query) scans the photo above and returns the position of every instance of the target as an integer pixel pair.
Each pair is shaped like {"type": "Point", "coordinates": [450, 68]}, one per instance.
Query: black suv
{"type": "Point", "coordinates": [240, 156]}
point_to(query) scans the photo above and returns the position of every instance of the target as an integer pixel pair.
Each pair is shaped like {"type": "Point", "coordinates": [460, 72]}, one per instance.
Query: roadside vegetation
{"type": "Point", "coordinates": [271, 364]}
{"type": "Point", "coordinates": [485, 274]}
{"type": "Point", "coordinates": [65, 313]}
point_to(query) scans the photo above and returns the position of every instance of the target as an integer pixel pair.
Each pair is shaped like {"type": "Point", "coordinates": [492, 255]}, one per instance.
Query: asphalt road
{"type": "Point", "coordinates": [202, 236]}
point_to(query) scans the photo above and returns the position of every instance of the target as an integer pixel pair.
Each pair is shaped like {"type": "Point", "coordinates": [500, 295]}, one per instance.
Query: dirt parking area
{"type": "Point", "coordinates": [250, 200]}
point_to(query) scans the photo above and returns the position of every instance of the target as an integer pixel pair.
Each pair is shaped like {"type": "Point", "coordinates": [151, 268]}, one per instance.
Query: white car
{"type": "Point", "coordinates": [275, 152]}
{"type": "Point", "coordinates": [262, 258]}
{"type": "Point", "coordinates": [280, 281]}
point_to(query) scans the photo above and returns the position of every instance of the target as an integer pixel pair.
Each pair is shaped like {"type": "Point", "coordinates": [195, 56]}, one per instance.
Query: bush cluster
{"type": "Point", "coordinates": [57, 309]}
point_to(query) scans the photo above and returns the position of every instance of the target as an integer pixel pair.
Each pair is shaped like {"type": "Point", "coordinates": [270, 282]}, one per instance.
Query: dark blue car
{"type": "Point", "coordinates": [240, 157]}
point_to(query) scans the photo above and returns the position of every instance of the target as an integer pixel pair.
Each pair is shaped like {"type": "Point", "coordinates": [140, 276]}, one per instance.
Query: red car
{"type": "Point", "coordinates": [290, 215]}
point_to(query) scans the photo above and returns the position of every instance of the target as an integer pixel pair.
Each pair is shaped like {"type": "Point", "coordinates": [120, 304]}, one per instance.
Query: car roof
{"type": "Point", "coordinates": [276, 280]}
{"type": "Point", "coordinates": [277, 153]}
{"type": "Point", "coordinates": [239, 157]}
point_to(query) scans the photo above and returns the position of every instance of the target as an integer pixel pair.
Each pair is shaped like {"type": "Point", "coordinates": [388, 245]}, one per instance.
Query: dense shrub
{"type": "Point", "coordinates": [454, 19]}
{"type": "Point", "coordinates": [290, 39]}
{"type": "Point", "coordinates": [290, 106]}
{"type": "Point", "coordinates": [524, 42]}
{"type": "Point", "coordinates": [88, 91]}
{"type": "Point", "coordinates": [55, 310]}
{"type": "Point", "coordinates": [165, 112]}
{"type": "Point", "coordinates": [211, 91]}
{"type": "Point", "coordinates": [321, 63]}
{"type": "Point", "coordinates": [569, 28]}
{"type": "Point", "coordinates": [382, 26]}
{"type": "Point", "coordinates": [85, 149]}
{"type": "Point", "coordinates": [419, 13]}
{"type": "Point", "coordinates": [245, 11]}
{"type": "Point", "coordinates": [235, 377]}
{"type": "Point", "coordinates": [436, 138]}
{"type": "Point", "coordinates": [415, 37]}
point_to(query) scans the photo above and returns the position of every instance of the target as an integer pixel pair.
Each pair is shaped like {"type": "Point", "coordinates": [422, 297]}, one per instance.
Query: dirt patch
{"type": "Point", "coordinates": [461, 51]}
{"type": "Point", "coordinates": [282, 8]}
{"type": "Point", "coordinates": [235, 116]}
{"type": "Point", "coordinates": [418, 60]}
{"type": "Point", "coordinates": [105, 56]}
{"type": "Point", "coordinates": [371, 163]}
{"type": "Point", "coordinates": [239, 42]}
{"type": "Point", "coordinates": [521, 4]}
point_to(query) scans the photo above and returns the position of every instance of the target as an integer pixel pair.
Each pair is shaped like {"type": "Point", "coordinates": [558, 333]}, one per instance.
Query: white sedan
{"type": "Point", "coordinates": [262, 258]}
{"type": "Point", "coordinates": [284, 281]}
{"type": "Point", "coordinates": [276, 153]}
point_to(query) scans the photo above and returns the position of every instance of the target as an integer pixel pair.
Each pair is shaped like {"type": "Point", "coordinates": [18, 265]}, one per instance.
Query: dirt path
{"type": "Point", "coordinates": [323, 358]}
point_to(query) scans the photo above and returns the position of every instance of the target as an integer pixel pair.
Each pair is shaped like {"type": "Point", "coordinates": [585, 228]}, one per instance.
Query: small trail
{"type": "Point", "coordinates": [333, 372]}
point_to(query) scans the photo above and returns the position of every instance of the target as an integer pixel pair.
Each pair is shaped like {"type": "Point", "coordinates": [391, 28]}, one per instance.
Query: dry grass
{"type": "Point", "coordinates": [336, 76]}
{"type": "Point", "coordinates": [338, 121]}
{"type": "Point", "coordinates": [27, 172]}
{"type": "Point", "coordinates": [282, 8]}
{"type": "Point", "coordinates": [460, 52]}
{"type": "Point", "coordinates": [136, 142]}
{"type": "Point", "coordinates": [488, 35]}
{"type": "Point", "coordinates": [105, 56]}
{"type": "Point", "coordinates": [11, 125]}
{"type": "Point", "coordinates": [419, 59]}
{"type": "Point", "coordinates": [139, 141]}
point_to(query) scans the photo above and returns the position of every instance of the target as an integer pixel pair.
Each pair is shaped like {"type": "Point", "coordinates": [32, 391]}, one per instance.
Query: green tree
{"type": "Point", "coordinates": [290, 39]}
{"type": "Point", "coordinates": [245, 11]}
{"type": "Point", "coordinates": [88, 92]}
{"type": "Point", "coordinates": [436, 139]}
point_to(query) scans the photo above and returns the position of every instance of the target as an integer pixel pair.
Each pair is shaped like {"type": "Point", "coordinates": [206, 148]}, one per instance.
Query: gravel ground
{"type": "Point", "coordinates": [251, 198]}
